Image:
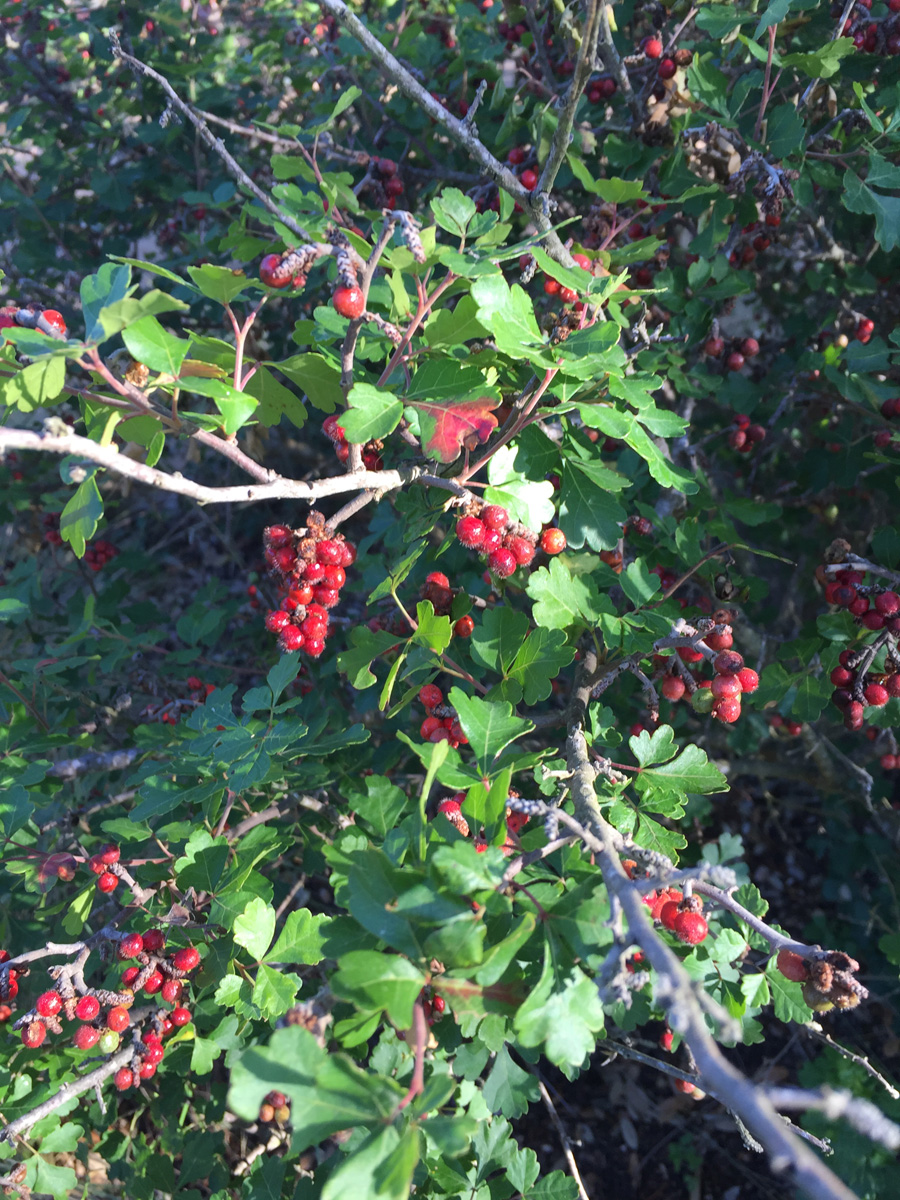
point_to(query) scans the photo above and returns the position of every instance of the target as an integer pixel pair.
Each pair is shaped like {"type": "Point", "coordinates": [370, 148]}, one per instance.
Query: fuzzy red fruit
{"type": "Point", "coordinates": [492, 539]}
{"type": "Point", "coordinates": [124, 1079]}
{"type": "Point", "coordinates": [854, 715]}
{"type": "Point", "coordinates": [551, 287]}
{"type": "Point", "coordinates": [720, 641]}
{"type": "Point", "coordinates": [873, 620]}
{"type": "Point", "coordinates": [517, 156]}
{"type": "Point", "coordinates": [876, 695]}
{"type": "Point", "coordinates": [129, 976]}
{"type": "Point", "coordinates": [529, 180]}
{"type": "Point", "coordinates": [464, 627]}
{"type": "Point", "coordinates": [841, 677]}
{"type": "Point", "coordinates": [470, 531]}
{"type": "Point", "coordinates": [888, 762]}
{"type": "Point", "coordinates": [109, 854]}
{"type": "Point", "coordinates": [277, 536]}
{"type": "Point", "coordinates": [154, 983]}
{"type": "Point", "coordinates": [553, 541]}
{"type": "Point", "coordinates": [131, 946]}
{"type": "Point", "coordinates": [734, 361]}
{"type": "Point", "coordinates": [666, 1039]}
{"type": "Point", "coordinates": [332, 429]}
{"type": "Point", "coordinates": [522, 550]}
{"type": "Point", "coordinates": [291, 639]}
{"type": "Point", "coordinates": [329, 553]}
{"type": "Point", "coordinates": [727, 711]}
{"type": "Point", "coordinates": [107, 882]}
{"type": "Point", "coordinates": [428, 726]}
{"type": "Point", "coordinates": [888, 604]}
{"type": "Point", "coordinates": [271, 274]}
{"type": "Point", "coordinates": [652, 47]}
{"type": "Point", "coordinates": [117, 1019]}
{"type": "Point", "coordinates": [172, 991]}
{"type": "Point", "coordinates": [431, 695]}
{"type": "Point", "coordinates": [502, 562]}
{"type": "Point", "coordinates": [87, 1008]}
{"type": "Point", "coordinates": [724, 687]}
{"type": "Point", "coordinates": [749, 680]}
{"type": "Point", "coordinates": [666, 68]}
{"type": "Point", "coordinates": [690, 927]}
{"type": "Point", "coordinates": [792, 966]}
{"type": "Point", "coordinates": [714, 346]}
{"type": "Point", "coordinates": [186, 959]}
{"type": "Point", "coordinates": [181, 1016]}
{"type": "Point", "coordinates": [728, 662]}
{"type": "Point", "coordinates": [33, 1034]}
{"type": "Point", "coordinates": [668, 912]}
{"type": "Point", "coordinates": [55, 320]}
{"type": "Point", "coordinates": [48, 1004]}
{"type": "Point", "coordinates": [277, 619]}
{"type": "Point", "coordinates": [349, 302]}
{"type": "Point", "coordinates": [673, 687]}
{"type": "Point", "coordinates": [749, 347]}
{"type": "Point", "coordinates": [154, 1053]}
{"type": "Point", "coordinates": [495, 517]}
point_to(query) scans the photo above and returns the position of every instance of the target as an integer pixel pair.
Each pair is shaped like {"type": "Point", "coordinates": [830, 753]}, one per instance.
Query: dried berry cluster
{"type": "Point", "coordinates": [311, 569]}
{"type": "Point", "coordinates": [105, 865]}
{"type": "Point", "coordinates": [828, 982]}
{"type": "Point", "coordinates": [99, 553]}
{"type": "Point", "coordinates": [451, 807]}
{"type": "Point", "coordinates": [104, 1015]}
{"type": "Point", "coordinates": [371, 451]}
{"type": "Point", "coordinates": [507, 545]}
{"type": "Point", "coordinates": [745, 435]}
{"type": "Point", "coordinates": [857, 688]}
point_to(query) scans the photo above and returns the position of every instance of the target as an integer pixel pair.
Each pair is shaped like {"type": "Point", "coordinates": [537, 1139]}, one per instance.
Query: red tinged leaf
{"type": "Point", "coordinates": [449, 426]}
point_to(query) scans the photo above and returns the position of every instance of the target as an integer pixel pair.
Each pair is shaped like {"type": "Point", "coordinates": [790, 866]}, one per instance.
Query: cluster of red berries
{"type": "Point", "coordinates": [603, 88]}
{"type": "Point", "coordinates": [99, 553]}
{"type": "Point", "coordinates": [552, 287]}
{"type": "Point", "coordinates": [745, 435]}
{"type": "Point", "coordinates": [275, 1107]}
{"type": "Point", "coordinates": [873, 607]}
{"type": "Point", "coordinates": [441, 723]}
{"type": "Point", "coordinates": [105, 1015]}
{"type": "Point", "coordinates": [871, 37]}
{"type": "Point", "coordinates": [433, 1007]}
{"type": "Point", "coordinates": [720, 695]}
{"type": "Point", "coordinates": [52, 536]}
{"type": "Point", "coordinates": [451, 807]}
{"type": "Point", "coordinates": [753, 240]}
{"type": "Point", "coordinates": [488, 529]}
{"type": "Point", "coordinates": [855, 690]}
{"type": "Point", "coordinates": [33, 316]}
{"type": "Point", "coordinates": [105, 865]}
{"type": "Point", "coordinates": [312, 570]}
{"type": "Point", "coordinates": [676, 912]}
{"type": "Point", "coordinates": [791, 728]}
{"type": "Point", "coordinates": [441, 595]}
{"type": "Point", "coordinates": [865, 327]}
{"type": "Point", "coordinates": [371, 451]}
{"type": "Point", "coordinates": [742, 349]}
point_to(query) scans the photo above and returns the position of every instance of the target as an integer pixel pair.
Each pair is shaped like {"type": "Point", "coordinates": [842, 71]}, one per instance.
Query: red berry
{"type": "Point", "coordinates": [55, 320]}
{"type": "Point", "coordinates": [87, 1008]}
{"type": "Point", "coordinates": [728, 662]}
{"type": "Point", "coordinates": [154, 1053]}
{"type": "Point", "coordinates": [690, 927]}
{"type": "Point", "coordinates": [315, 647]}
{"type": "Point", "coordinates": [876, 695]}
{"type": "Point", "coordinates": [431, 695]}
{"type": "Point", "coordinates": [131, 946]}
{"type": "Point", "coordinates": [666, 1039]}
{"type": "Point", "coordinates": [349, 302]}
{"type": "Point", "coordinates": [727, 711]}
{"type": "Point", "coordinates": [48, 1004]}
{"type": "Point", "coordinates": [107, 882]}
{"type": "Point", "coordinates": [86, 1037]}
{"type": "Point", "coordinates": [117, 1019]}
{"type": "Point", "coordinates": [464, 627]}
{"type": "Point", "coordinates": [129, 976]}
{"type": "Point", "coordinates": [714, 346]}
{"type": "Point", "coordinates": [888, 762]}
{"type": "Point", "coordinates": [291, 639]}
{"type": "Point", "coordinates": [277, 619]}
{"type": "Point", "coordinates": [529, 180]}
{"type": "Point", "coordinates": [470, 531]}
{"type": "Point", "coordinates": [328, 552]}
{"type": "Point", "coordinates": [652, 47]}
{"type": "Point", "coordinates": [734, 361]}
{"type": "Point", "coordinates": [841, 677]}
{"type": "Point", "coordinates": [181, 1016]}
{"type": "Point", "coordinates": [172, 991]}
{"type": "Point", "coordinates": [271, 273]}
{"type": "Point", "coordinates": [668, 912]}
{"type": "Point", "coordinates": [335, 577]}
{"type": "Point", "coordinates": [725, 686]}
{"type": "Point", "coordinates": [154, 983]}
{"type": "Point", "coordinates": [553, 541]}
{"type": "Point", "coordinates": [502, 562]}
{"type": "Point", "coordinates": [567, 295]}
{"type": "Point", "coordinates": [439, 1004]}
{"type": "Point", "coordinates": [495, 517]}
{"type": "Point", "coordinates": [33, 1034]}
{"type": "Point", "coordinates": [124, 1079]}
{"type": "Point", "coordinates": [394, 186]}
{"type": "Point", "coordinates": [720, 641]}
{"type": "Point", "coordinates": [792, 966]}
{"type": "Point", "coordinates": [522, 550]}
{"type": "Point", "coordinates": [673, 687]}
{"type": "Point", "coordinates": [109, 855]}
{"type": "Point", "coordinates": [186, 959]}
{"type": "Point", "coordinates": [873, 620]}
{"type": "Point", "coordinates": [666, 69]}
{"type": "Point", "coordinates": [773, 220]}
{"type": "Point", "coordinates": [749, 347]}
{"type": "Point", "coordinates": [148, 1070]}
{"type": "Point", "coordinates": [888, 604]}
{"type": "Point", "coordinates": [551, 287]}
{"type": "Point", "coordinates": [428, 726]}
{"type": "Point", "coordinates": [517, 156]}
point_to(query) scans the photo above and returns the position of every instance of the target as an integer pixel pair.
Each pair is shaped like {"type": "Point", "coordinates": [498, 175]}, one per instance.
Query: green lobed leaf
{"type": "Point", "coordinates": [372, 980]}
{"type": "Point", "coordinates": [489, 725]}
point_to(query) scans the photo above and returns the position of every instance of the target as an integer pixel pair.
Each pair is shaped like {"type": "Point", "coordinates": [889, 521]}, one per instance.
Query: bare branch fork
{"type": "Point", "coordinates": [674, 988]}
